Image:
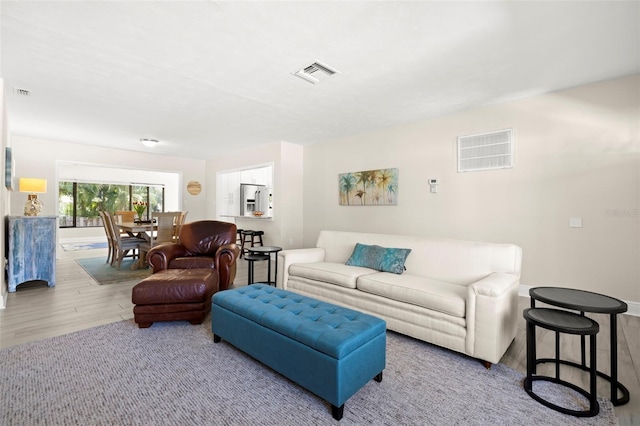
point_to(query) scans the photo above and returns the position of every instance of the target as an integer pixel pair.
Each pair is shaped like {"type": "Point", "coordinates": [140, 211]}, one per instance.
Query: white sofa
{"type": "Point", "coordinates": [460, 295]}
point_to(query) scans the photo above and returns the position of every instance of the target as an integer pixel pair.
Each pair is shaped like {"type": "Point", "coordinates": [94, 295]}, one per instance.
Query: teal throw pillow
{"type": "Point", "coordinates": [379, 258]}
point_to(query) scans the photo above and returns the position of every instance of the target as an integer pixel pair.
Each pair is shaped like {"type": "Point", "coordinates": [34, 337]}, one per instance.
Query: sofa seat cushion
{"type": "Point", "coordinates": [432, 294]}
{"type": "Point", "coordinates": [334, 273]}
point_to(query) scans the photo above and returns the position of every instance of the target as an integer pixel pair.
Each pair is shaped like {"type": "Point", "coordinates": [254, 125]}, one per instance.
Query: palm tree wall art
{"type": "Point", "coordinates": [369, 188]}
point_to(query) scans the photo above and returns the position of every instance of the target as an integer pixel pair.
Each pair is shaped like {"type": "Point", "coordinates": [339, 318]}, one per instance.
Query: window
{"type": "Point", "coordinates": [80, 202]}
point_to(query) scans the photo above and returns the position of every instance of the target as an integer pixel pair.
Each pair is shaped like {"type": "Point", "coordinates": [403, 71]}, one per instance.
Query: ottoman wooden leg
{"type": "Point", "coordinates": [144, 324]}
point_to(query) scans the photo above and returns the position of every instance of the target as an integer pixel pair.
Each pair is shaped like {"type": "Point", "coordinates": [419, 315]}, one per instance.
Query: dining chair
{"type": "Point", "coordinates": [107, 231]}
{"type": "Point", "coordinates": [166, 224]}
{"type": "Point", "coordinates": [123, 244]}
{"type": "Point", "coordinates": [126, 216]}
{"type": "Point", "coordinates": [178, 225]}
{"type": "Point", "coordinates": [112, 229]}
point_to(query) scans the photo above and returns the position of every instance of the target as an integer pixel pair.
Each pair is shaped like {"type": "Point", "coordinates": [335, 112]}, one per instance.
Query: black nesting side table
{"type": "Point", "coordinates": [251, 259]}
{"type": "Point", "coordinates": [267, 251]}
{"type": "Point", "coordinates": [586, 301]}
{"type": "Point", "coordinates": [564, 322]}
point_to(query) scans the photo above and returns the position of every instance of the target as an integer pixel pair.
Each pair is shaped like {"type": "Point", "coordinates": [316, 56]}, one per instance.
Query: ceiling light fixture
{"type": "Point", "coordinates": [149, 143]}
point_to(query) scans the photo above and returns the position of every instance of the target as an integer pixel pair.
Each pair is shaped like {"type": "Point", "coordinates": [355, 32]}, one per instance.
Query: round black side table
{"type": "Point", "coordinates": [267, 251]}
{"type": "Point", "coordinates": [567, 323]}
{"type": "Point", "coordinates": [587, 301]}
{"type": "Point", "coordinates": [251, 258]}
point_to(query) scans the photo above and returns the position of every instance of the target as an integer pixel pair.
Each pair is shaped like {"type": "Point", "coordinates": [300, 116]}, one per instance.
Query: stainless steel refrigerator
{"type": "Point", "coordinates": [254, 198]}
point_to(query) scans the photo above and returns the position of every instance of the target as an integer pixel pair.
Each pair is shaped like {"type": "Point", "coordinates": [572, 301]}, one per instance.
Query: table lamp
{"type": "Point", "coordinates": [32, 186]}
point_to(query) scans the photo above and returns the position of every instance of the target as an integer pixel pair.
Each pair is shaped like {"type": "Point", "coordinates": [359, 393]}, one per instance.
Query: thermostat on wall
{"type": "Point", "coordinates": [433, 185]}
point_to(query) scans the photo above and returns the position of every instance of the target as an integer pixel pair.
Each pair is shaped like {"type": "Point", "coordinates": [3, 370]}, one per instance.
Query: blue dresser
{"type": "Point", "coordinates": [32, 250]}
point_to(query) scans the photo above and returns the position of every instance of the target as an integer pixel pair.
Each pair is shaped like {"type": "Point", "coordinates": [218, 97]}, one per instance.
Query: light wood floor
{"type": "Point", "coordinates": [36, 311]}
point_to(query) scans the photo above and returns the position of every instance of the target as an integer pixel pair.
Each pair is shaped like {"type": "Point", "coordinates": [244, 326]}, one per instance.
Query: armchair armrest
{"type": "Point", "coordinates": [225, 261]}
{"type": "Point", "coordinates": [160, 256]}
{"type": "Point", "coordinates": [288, 257]}
{"type": "Point", "coordinates": [492, 315]}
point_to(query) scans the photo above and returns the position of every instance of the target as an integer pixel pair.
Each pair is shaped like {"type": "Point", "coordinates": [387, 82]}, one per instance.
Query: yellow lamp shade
{"type": "Point", "coordinates": [33, 185]}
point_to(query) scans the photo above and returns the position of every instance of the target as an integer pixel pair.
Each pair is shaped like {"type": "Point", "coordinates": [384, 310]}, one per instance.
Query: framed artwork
{"type": "Point", "coordinates": [8, 168]}
{"type": "Point", "coordinates": [369, 188]}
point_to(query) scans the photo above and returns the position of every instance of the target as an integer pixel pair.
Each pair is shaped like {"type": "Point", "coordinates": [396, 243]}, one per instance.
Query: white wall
{"type": "Point", "coordinates": [285, 229]}
{"type": "Point", "coordinates": [577, 154]}
{"type": "Point", "coordinates": [39, 158]}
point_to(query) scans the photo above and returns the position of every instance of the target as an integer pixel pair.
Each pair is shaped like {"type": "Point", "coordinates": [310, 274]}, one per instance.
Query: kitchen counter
{"type": "Point", "coordinates": [250, 217]}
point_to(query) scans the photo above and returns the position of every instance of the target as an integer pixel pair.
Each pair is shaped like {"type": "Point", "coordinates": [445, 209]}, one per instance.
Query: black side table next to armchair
{"type": "Point", "coordinates": [265, 251]}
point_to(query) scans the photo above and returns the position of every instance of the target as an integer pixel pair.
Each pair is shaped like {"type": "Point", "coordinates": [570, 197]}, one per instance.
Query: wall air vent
{"type": "Point", "coordinates": [485, 151]}
{"type": "Point", "coordinates": [21, 92]}
{"type": "Point", "coordinates": [315, 72]}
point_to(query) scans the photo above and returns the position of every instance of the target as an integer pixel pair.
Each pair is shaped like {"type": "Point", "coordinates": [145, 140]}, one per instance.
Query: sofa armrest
{"type": "Point", "coordinates": [160, 256]}
{"type": "Point", "coordinates": [225, 261]}
{"type": "Point", "coordinates": [492, 315]}
{"type": "Point", "coordinates": [288, 257]}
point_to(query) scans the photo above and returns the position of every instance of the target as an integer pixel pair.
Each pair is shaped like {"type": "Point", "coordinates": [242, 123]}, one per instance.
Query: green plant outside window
{"type": "Point", "coordinates": [79, 202]}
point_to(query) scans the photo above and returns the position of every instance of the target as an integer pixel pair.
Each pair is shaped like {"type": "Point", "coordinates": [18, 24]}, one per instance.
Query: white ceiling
{"type": "Point", "coordinates": [209, 78]}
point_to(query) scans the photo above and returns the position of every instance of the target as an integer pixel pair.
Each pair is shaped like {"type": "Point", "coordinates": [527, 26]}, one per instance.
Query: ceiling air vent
{"type": "Point", "coordinates": [315, 72]}
{"type": "Point", "coordinates": [21, 92]}
{"type": "Point", "coordinates": [485, 151]}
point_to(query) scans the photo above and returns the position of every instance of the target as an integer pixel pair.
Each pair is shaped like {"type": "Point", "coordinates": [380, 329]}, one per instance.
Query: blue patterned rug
{"type": "Point", "coordinates": [83, 246]}
{"type": "Point", "coordinates": [104, 273]}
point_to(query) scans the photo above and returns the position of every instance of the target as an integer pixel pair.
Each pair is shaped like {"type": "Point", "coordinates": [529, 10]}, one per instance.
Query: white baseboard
{"type": "Point", "coordinates": [633, 307]}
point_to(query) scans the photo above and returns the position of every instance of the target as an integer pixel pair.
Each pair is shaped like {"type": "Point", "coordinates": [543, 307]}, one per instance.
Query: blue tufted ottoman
{"type": "Point", "coordinates": [329, 350]}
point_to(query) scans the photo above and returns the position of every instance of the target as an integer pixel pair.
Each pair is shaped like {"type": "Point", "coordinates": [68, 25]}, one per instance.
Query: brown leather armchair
{"type": "Point", "coordinates": [203, 244]}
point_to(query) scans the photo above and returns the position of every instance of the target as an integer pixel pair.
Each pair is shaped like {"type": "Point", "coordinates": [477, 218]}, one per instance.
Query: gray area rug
{"type": "Point", "coordinates": [173, 374]}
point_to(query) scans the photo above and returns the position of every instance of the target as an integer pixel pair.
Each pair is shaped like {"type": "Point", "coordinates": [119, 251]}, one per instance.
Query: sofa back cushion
{"type": "Point", "coordinates": [456, 261]}
{"type": "Point", "coordinates": [334, 273]}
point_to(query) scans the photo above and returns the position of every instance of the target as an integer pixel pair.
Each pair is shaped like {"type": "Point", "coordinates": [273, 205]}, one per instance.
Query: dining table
{"type": "Point", "coordinates": [136, 229]}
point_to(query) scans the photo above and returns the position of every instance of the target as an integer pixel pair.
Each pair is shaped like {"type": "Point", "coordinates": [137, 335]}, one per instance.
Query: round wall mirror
{"type": "Point", "coordinates": [194, 187]}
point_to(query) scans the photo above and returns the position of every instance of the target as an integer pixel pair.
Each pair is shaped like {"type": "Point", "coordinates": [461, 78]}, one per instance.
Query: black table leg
{"type": "Point", "coordinates": [615, 385]}
{"type": "Point", "coordinates": [275, 277]}
{"type": "Point", "coordinates": [531, 342]}
{"type": "Point", "coordinates": [269, 270]}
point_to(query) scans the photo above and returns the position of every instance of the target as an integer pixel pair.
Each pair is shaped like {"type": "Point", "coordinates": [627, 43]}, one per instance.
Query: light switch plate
{"type": "Point", "coordinates": [575, 222]}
